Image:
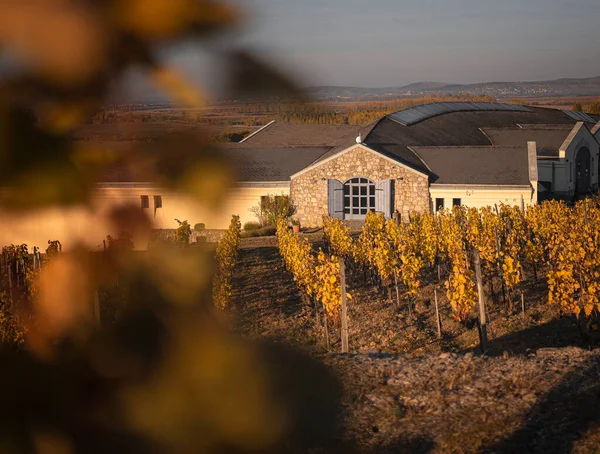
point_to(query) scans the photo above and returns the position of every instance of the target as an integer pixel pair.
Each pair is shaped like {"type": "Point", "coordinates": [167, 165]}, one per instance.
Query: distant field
{"type": "Point", "coordinates": [221, 122]}
{"type": "Point", "coordinates": [152, 130]}
{"type": "Point", "coordinates": [561, 102]}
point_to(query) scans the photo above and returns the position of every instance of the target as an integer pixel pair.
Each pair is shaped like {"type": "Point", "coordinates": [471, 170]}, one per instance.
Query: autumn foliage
{"type": "Point", "coordinates": [560, 241]}
{"type": "Point", "coordinates": [227, 252]}
{"type": "Point", "coordinates": [318, 276]}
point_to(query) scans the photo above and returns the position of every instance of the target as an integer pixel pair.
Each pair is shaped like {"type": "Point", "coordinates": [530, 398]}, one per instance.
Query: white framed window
{"type": "Point", "coordinates": [359, 198]}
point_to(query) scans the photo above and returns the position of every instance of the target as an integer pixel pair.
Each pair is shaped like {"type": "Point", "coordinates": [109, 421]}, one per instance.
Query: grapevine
{"type": "Point", "coordinates": [316, 276]}
{"type": "Point", "coordinates": [226, 256]}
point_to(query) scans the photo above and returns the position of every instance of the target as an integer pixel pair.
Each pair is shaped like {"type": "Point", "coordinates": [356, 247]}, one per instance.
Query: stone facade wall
{"type": "Point", "coordinates": [309, 190]}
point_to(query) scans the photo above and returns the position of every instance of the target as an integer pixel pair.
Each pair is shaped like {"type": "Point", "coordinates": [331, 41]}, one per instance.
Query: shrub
{"type": "Point", "coordinates": [252, 226]}
{"type": "Point", "coordinates": [228, 136]}
{"type": "Point", "coordinates": [183, 233]}
{"type": "Point", "coordinates": [273, 207]}
{"type": "Point", "coordinates": [124, 242]}
{"type": "Point", "coordinates": [54, 247]}
{"type": "Point", "coordinates": [12, 334]}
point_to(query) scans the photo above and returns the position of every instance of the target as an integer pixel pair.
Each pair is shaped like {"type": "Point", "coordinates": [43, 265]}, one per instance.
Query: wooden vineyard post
{"type": "Point", "coordinates": [482, 314]}
{"type": "Point", "coordinates": [522, 204]}
{"type": "Point", "coordinates": [10, 283]}
{"type": "Point", "coordinates": [344, 307]}
{"type": "Point", "coordinates": [316, 312]}
{"type": "Point", "coordinates": [397, 291]}
{"type": "Point", "coordinates": [327, 335]}
{"type": "Point", "coordinates": [97, 307]}
{"type": "Point", "coordinates": [437, 313]}
{"type": "Point", "coordinates": [18, 273]}
{"type": "Point", "coordinates": [499, 262]}
{"type": "Point", "coordinates": [522, 305]}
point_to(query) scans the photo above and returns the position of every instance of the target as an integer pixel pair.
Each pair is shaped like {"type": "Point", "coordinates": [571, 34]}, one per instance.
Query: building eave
{"type": "Point", "coordinates": [126, 185]}
{"type": "Point", "coordinates": [257, 131]}
{"type": "Point", "coordinates": [562, 151]}
{"type": "Point", "coordinates": [148, 185]}
{"type": "Point", "coordinates": [263, 184]}
{"type": "Point", "coordinates": [479, 186]}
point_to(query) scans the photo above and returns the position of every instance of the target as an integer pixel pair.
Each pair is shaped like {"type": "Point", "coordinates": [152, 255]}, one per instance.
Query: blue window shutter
{"type": "Point", "coordinates": [384, 192]}
{"type": "Point", "coordinates": [335, 199]}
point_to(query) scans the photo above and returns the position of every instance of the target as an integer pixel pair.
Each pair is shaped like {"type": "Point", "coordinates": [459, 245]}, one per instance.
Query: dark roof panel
{"type": "Point", "coordinates": [548, 141]}
{"type": "Point", "coordinates": [271, 164]}
{"type": "Point", "coordinates": [580, 116]}
{"type": "Point", "coordinates": [249, 164]}
{"type": "Point", "coordinates": [463, 128]}
{"type": "Point", "coordinates": [477, 165]}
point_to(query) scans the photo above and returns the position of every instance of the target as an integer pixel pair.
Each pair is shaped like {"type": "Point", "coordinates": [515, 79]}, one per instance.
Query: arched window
{"type": "Point", "coordinates": [359, 198]}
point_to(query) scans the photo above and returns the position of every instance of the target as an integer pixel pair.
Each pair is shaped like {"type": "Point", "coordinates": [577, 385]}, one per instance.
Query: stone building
{"type": "Point", "coordinates": [416, 160]}
{"type": "Point", "coordinates": [434, 156]}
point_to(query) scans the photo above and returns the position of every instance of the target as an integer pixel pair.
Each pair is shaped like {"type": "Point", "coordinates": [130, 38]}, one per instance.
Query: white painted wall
{"type": "Point", "coordinates": [89, 226]}
{"type": "Point", "coordinates": [558, 176]}
{"type": "Point", "coordinates": [565, 168]}
{"type": "Point", "coordinates": [481, 196]}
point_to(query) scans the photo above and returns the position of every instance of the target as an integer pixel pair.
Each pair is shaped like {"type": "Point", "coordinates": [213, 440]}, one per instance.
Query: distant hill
{"type": "Point", "coordinates": [559, 87]}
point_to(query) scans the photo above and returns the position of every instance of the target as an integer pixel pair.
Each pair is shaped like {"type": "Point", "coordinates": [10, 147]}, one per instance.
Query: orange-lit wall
{"type": "Point", "coordinates": [88, 225]}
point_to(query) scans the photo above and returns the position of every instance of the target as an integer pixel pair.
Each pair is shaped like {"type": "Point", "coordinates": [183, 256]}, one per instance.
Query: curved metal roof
{"type": "Point", "coordinates": [417, 114]}
{"type": "Point", "coordinates": [580, 116]}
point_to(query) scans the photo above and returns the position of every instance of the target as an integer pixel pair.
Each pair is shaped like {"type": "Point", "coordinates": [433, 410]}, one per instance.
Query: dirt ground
{"type": "Point", "coordinates": [268, 304]}
{"type": "Point", "coordinates": [402, 389]}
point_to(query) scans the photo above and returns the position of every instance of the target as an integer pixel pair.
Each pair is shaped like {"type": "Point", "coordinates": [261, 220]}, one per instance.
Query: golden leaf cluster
{"type": "Point", "coordinates": [569, 245]}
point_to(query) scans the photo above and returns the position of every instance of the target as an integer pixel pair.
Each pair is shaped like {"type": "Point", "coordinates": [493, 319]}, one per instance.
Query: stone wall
{"type": "Point", "coordinates": [309, 190]}
{"type": "Point", "coordinates": [168, 236]}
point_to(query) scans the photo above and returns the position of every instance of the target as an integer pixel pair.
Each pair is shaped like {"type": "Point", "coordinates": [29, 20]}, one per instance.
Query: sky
{"type": "Point", "coordinates": [379, 43]}
{"type": "Point", "coordinates": [392, 43]}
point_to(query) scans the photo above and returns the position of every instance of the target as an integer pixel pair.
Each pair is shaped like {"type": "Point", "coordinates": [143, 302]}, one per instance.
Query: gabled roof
{"type": "Point", "coordinates": [596, 128]}
{"type": "Point", "coordinates": [278, 134]}
{"type": "Point", "coordinates": [477, 165]}
{"type": "Point", "coordinates": [456, 147]}
{"type": "Point", "coordinates": [349, 139]}
{"type": "Point", "coordinates": [455, 129]}
{"type": "Point", "coordinates": [249, 164]}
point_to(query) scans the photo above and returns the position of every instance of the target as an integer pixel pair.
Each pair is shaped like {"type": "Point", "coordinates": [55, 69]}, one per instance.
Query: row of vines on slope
{"type": "Point", "coordinates": [226, 256]}
{"type": "Point", "coordinates": [317, 276]}
{"type": "Point", "coordinates": [562, 241]}
{"type": "Point", "coordinates": [18, 286]}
